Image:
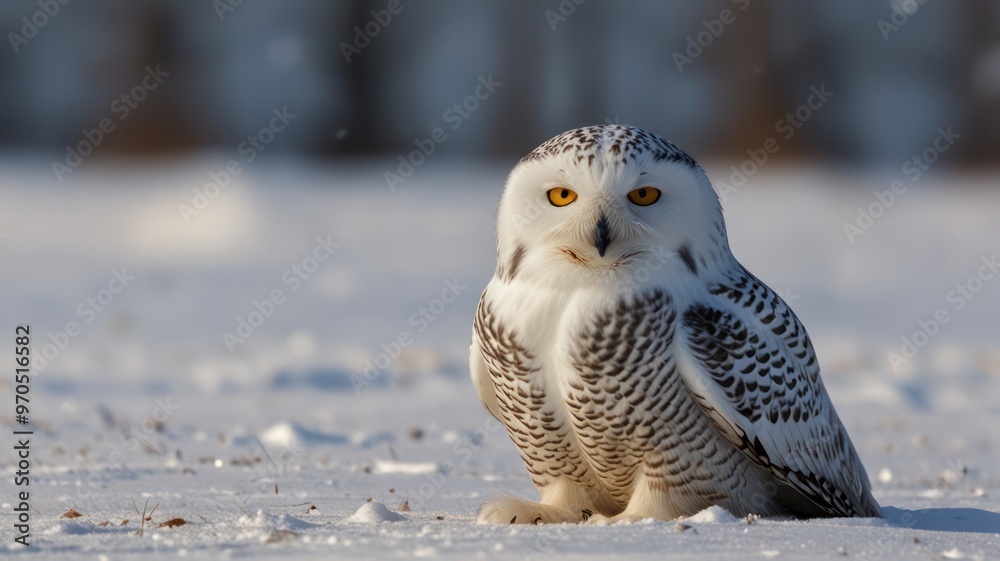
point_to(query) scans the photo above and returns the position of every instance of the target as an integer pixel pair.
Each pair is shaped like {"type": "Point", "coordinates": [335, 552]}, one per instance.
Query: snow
{"type": "Point", "coordinates": [274, 521]}
{"type": "Point", "coordinates": [712, 515]}
{"type": "Point", "coordinates": [375, 512]}
{"type": "Point", "coordinates": [290, 434]}
{"type": "Point", "coordinates": [316, 431]}
{"type": "Point", "coordinates": [409, 468]}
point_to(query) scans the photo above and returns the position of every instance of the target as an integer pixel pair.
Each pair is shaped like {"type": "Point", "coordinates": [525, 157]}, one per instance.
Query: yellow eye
{"type": "Point", "coordinates": [561, 196]}
{"type": "Point", "coordinates": [644, 196]}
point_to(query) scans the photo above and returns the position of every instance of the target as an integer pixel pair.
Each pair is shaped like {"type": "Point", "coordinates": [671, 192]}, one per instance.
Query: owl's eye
{"type": "Point", "coordinates": [644, 196]}
{"type": "Point", "coordinates": [561, 196]}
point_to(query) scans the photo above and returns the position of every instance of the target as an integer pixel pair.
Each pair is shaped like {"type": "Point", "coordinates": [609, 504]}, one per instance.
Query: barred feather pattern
{"type": "Point", "coordinates": [766, 370]}
{"type": "Point", "coordinates": [629, 413]}
{"type": "Point", "coordinates": [543, 441]}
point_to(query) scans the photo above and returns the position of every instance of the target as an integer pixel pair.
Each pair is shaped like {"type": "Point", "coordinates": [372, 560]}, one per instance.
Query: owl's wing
{"type": "Point", "coordinates": [749, 364]}
{"type": "Point", "coordinates": [481, 378]}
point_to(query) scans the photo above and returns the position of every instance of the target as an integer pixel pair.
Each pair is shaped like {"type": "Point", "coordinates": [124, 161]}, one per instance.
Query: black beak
{"type": "Point", "coordinates": [602, 235]}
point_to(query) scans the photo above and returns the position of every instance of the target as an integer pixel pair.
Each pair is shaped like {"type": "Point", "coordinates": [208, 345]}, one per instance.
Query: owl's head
{"type": "Point", "coordinates": [608, 200]}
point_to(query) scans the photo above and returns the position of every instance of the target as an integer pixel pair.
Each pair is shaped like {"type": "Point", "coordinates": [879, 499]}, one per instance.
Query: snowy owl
{"type": "Point", "coordinates": [640, 370]}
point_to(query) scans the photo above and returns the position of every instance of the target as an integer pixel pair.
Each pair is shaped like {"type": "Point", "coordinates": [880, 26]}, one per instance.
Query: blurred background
{"type": "Point", "coordinates": [209, 149]}
{"type": "Point", "coordinates": [366, 80]}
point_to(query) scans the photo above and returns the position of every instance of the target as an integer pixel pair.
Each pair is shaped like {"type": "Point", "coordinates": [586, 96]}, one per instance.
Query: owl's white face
{"type": "Point", "coordinates": [593, 209]}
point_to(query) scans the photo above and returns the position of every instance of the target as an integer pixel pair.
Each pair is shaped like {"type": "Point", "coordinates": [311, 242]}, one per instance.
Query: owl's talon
{"type": "Point", "coordinates": [598, 520]}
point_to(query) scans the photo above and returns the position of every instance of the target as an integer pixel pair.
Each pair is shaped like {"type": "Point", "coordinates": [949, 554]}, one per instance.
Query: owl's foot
{"type": "Point", "coordinates": [598, 519]}
{"type": "Point", "coordinates": [507, 509]}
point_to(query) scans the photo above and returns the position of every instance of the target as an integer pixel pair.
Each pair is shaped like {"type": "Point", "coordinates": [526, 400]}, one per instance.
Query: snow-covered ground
{"type": "Point", "coordinates": [275, 449]}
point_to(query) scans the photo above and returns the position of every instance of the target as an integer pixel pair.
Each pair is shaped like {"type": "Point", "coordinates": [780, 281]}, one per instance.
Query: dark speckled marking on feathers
{"type": "Point", "coordinates": [544, 443]}
{"type": "Point", "coordinates": [515, 262]}
{"type": "Point", "coordinates": [730, 349]}
{"type": "Point", "coordinates": [623, 144]}
{"type": "Point", "coordinates": [769, 384]}
{"type": "Point", "coordinates": [631, 412]}
{"type": "Point", "coordinates": [685, 254]}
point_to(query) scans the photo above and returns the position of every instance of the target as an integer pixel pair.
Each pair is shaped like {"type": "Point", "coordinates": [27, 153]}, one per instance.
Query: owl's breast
{"type": "Point", "coordinates": [587, 387]}
{"type": "Point", "coordinates": [624, 338]}
{"type": "Point", "coordinates": [621, 384]}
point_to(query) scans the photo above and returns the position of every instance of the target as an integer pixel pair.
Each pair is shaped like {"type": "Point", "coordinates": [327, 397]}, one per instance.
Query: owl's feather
{"type": "Point", "coordinates": [752, 369]}
{"type": "Point", "coordinates": [481, 378]}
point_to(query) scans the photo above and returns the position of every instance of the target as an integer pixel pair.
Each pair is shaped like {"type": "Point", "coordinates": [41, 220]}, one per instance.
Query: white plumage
{"type": "Point", "coordinates": [640, 370]}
